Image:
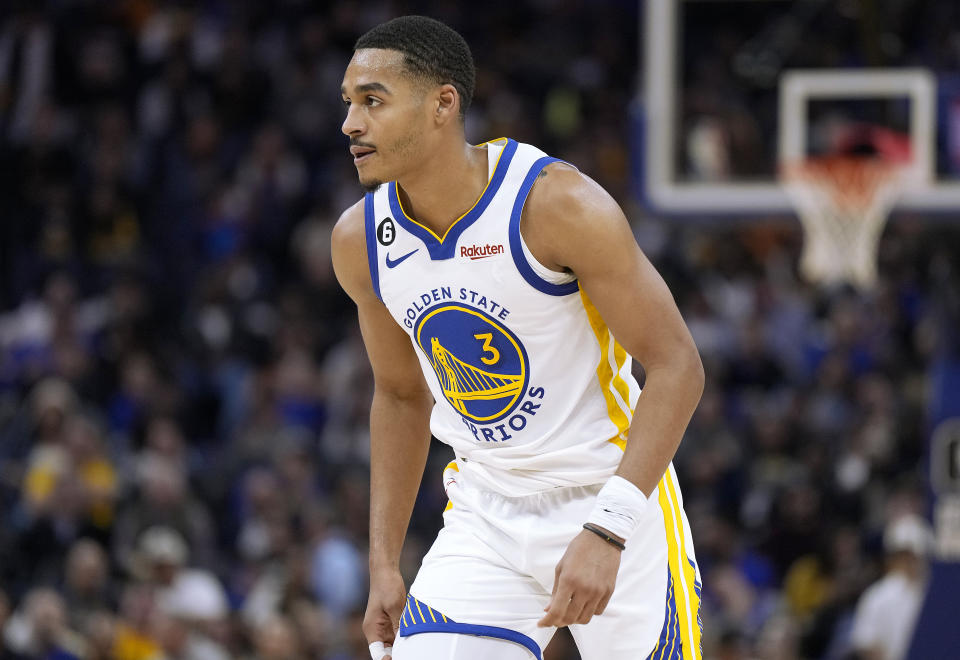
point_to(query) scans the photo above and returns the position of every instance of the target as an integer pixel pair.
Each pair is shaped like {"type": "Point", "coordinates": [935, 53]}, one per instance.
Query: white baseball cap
{"type": "Point", "coordinates": [908, 533]}
{"type": "Point", "coordinates": [163, 544]}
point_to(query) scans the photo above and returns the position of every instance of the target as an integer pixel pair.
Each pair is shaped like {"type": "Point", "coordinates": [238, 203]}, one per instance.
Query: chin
{"type": "Point", "coordinates": [370, 185]}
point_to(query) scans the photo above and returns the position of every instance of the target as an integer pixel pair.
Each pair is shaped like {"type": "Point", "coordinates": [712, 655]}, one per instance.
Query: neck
{"type": "Point", "coordinates": [445, 185]}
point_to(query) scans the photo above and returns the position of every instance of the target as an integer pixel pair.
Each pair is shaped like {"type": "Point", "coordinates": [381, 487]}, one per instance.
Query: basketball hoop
{"type": "Point", "coordinates": [843, 202]}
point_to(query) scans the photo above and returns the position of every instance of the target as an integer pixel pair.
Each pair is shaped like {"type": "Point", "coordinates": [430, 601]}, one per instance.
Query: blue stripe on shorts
{"type": "Point", "coordinates": [418, 617]}
{"type": "Point", "coordinates": [669, 645]}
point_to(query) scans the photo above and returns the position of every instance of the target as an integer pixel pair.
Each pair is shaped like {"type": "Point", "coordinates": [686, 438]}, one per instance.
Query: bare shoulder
{"type": "Point", "coordinates": [562, 191]}
{"type": "Point", "coordinates": [349, 250]}
{"type": "Point", "coordinates": [565, 212]}
{"type": "Point", "coordinates": [349, 229]}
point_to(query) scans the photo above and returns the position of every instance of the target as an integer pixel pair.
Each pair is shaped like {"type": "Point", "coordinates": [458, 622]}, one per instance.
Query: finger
{"type": "Point", "coordinates": [389, 635]}
{"type": "Point", "coordinates": [559, 605]}
{"type": "Point", "coordinates": [574, 611]}
{"type": "Point", "coordinates": [589, 609]}
{"type": "Point", "coordinates": [602, 605]}
{"type": "Point", "coordinates": [562, 593]}
{"type": "Point", "coordinates": [389, 629]}
{"type": "Point", "coordinates": [380, 628]}
{"type": "Point", "coordinates": [394, 613]}
{"type": "Point", "coordinates": [394, 623]}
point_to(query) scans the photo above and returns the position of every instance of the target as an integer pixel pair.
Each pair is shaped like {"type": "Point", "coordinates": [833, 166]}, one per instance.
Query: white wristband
{"type": "Point", "coordinates": [619, 507]}
{"type": "Point", "coordinates": [378, 651]}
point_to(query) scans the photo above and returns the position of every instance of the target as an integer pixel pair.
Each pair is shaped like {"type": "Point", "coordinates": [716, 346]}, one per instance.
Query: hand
{"type": "Point", "coordinates": [585, 578]}
{"type": "Point", "coordinates": [388, 596]}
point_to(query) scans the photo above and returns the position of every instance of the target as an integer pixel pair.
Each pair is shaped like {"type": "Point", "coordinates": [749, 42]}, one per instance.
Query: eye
{"type": "Point", "coordinates": [346, 102]}
{"type": "Point", "coordinates": [373, 101]}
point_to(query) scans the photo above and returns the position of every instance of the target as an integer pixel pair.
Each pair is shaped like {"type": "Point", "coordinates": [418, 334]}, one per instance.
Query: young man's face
{"type": "Point", "coordinates": [387, 117]}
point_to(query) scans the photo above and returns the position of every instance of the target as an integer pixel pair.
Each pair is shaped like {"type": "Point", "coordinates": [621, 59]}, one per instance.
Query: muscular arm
{"type": "Point", "coordinates": [399, 422]}
{"type": "Point", "coordinates": [571, 223]}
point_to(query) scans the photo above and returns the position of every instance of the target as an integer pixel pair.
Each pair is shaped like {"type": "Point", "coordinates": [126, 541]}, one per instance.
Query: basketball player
{"type": "Point", "coordinates": [501, 295]}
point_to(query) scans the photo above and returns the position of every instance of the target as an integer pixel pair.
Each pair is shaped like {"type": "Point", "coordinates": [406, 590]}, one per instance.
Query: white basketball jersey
{"type": "Point", "coordinates": [532, 390]}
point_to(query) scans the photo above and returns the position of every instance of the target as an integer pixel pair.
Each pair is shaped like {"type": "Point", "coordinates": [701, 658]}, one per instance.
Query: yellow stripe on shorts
{"type": "Point", "coordinates": [685, 595]}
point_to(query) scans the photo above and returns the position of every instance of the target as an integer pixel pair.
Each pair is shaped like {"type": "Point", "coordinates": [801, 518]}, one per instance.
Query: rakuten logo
{"type": "Point", "coordinates": [480, 251]}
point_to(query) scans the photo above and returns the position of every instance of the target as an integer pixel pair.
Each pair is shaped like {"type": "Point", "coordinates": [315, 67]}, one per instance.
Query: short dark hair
{"type": "Point", "coordinates": [431, 49]}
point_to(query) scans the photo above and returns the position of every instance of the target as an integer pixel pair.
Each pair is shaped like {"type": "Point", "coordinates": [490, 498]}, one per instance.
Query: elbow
{"type": "Point", "coordinates": [689, 368]}
{"type": "Point", "coordinates": [679, 363]}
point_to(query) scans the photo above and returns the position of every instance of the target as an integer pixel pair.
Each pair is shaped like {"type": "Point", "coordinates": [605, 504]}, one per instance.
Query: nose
{"type": "Point", "coordinates": [353, 122]}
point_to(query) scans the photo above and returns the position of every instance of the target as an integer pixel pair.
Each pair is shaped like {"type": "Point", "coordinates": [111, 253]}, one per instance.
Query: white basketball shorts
{"type": "Point", "coordinates": [491, 570]}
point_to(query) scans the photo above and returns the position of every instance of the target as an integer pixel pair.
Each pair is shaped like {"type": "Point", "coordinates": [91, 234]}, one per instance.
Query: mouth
{"type": "Point", "coordinates": [361, 154]}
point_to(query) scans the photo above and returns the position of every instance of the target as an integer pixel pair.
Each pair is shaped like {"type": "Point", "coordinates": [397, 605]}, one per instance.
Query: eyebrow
{"type": "Point", "coordinates": [366, 87]}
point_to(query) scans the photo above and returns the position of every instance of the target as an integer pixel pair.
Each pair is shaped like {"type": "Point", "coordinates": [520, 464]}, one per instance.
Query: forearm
{"type": "Point", "coordinates": [399, 440]}
{"type": "Point", "coordinates": [670, 395]}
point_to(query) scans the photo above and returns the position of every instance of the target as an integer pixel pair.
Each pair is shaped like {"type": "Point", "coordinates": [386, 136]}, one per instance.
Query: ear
{"type": "Point", "coordinates": [448, 104]}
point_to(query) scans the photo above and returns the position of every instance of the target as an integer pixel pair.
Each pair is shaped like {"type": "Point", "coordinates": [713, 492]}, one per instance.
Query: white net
{"type": "Point", "coordinates": [843, 203]}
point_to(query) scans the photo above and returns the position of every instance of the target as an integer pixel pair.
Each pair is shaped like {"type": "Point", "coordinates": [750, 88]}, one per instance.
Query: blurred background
{"type": "Point", "coordinates": [184, 393]}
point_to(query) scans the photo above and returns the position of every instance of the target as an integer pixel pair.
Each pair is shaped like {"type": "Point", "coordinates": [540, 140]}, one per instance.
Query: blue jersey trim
{"type": "Point", "coordinates": [446, 247]}
{"type": "Point", "coordinates": [440, 623]}
{"type": "Point", "coordinates": [516, 247]}
{"type": "Point", "coordinates": [371, 225]}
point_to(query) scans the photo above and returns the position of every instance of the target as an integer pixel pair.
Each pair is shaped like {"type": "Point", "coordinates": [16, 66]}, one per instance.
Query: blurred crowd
{"type": "Point", "coordinates": [183, 389]}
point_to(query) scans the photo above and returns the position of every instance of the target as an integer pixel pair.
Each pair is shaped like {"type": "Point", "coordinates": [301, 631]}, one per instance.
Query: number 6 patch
{"type": "Point", "coordinates": [386, 231]}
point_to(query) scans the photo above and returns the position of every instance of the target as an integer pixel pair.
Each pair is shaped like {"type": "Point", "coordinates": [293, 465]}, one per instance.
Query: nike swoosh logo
{"type": "Point", "coordinates": [393, 263]}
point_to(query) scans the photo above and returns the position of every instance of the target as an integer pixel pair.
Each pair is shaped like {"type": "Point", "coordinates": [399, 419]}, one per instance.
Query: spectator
{"type": "Point", "coordinates": [6, 652]}
{"type": "Point", "coordinates": [887, 611]}
{"type": "Point", "coordinates": [338, 573]}
{"type": "Point", "coordinates": [276, 639]}
{"type": "Point", "coordinates": [39, 628]}
{"type": "Point", "coordinates": [179, 641]}
{"type": "Point", "coordinates": [163, 497]}
{"type": "Point", "coordinates": [193, 595]}
{"type": "Point", "coordinates": [87, 588]}
{"type": "Point", "coordinates": [133, 634]}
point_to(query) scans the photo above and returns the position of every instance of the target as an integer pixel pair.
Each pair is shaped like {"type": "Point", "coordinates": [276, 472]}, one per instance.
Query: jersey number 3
{"type": "Point", "coordinates": [486, 338]}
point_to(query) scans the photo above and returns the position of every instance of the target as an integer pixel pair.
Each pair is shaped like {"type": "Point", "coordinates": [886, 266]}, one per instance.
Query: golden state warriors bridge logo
{"type": "Point", "coordinates": [481, 365]}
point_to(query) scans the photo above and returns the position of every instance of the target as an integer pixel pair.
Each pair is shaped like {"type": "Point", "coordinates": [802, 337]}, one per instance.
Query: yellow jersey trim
{"type": "Point", "coordinates": [611, 381]}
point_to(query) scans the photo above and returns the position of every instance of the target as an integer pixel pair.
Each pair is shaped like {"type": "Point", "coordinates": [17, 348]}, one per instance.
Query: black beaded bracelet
{"type": "Point", "coordinates": [590, 527]}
